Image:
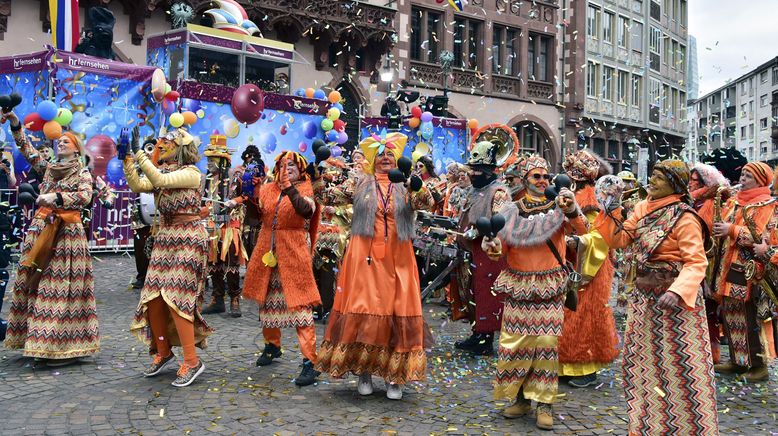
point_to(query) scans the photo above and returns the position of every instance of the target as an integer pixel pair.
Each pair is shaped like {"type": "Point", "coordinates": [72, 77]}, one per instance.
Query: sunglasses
{"type": "Point", "coordinates": [541, 176]}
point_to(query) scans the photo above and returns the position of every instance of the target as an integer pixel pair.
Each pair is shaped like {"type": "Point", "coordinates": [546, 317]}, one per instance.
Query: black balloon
{"type": "Point", "coordinates": [550, 192]}
{"type": "Point", "coordinates": [317, 144]}
{"type": "Point", "coordinates": [322, 154]}
{"type": "Point", "coordinates": [26, 199]}
{"type": "Point", "coordinates": [405, 165]}
{"type": "Point", "coordinates": [5, 102]}
{"type": "Point", "coordinates": [396, 176]}
{"type": "Point", "coordinates": [497, 222]}
{"type": "Point", "coordinates": [484, 226]}
{"type": "Point", "coordinates": [416, 183]}
{"type": "Point", "coordinates": [28, 188]}
{"type": "Point", "coordinates": [562, 181]}
{"type": "Point", "coordinates": [16, 98]}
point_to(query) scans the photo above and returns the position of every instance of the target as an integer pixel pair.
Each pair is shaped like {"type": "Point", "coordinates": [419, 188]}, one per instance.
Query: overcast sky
{"type": "Point", "coordinates": [733, 37]}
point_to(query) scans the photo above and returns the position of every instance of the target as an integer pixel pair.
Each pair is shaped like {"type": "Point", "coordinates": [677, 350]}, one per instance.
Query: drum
{"type": "Point", "coordinates": [147, 208]}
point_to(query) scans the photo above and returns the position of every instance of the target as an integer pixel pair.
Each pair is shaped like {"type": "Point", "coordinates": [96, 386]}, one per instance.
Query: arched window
{"type": "Point", "coordinates": [533, 139]}
{"type": "Point", "coordinates": [352, 109]}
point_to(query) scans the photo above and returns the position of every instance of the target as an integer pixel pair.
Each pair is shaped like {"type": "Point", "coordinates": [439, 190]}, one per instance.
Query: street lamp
{"type": "Point", "coordinates": [446, 59]}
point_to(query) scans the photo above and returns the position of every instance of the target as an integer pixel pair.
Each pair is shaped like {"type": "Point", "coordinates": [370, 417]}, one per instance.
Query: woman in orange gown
{"type": "Point", "coordinates": [376, 325]}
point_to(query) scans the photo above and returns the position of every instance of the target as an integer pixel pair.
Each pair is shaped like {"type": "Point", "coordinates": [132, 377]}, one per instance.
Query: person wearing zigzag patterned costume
{"type": "Point", "coordinates": [53, 314]}
{"type": "Point", "coordinates": [177, 268]}
{"type": "Point", "coordinates": [377, 325]}
{"type": "Point", "coordinates": [534, 290]}
{"type": "Point", "coordinates": [668, 368]}
{"type": "Point", "coordinates": [746, 309]}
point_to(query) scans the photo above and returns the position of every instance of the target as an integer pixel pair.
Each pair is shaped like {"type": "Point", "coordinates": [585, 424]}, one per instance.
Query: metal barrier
{"type": "Point", "coordinates": [110, 230]}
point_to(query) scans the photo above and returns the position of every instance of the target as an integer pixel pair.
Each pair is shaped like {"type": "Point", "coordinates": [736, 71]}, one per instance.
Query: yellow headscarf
{"type": "Point", "coordinates": [375, 144]}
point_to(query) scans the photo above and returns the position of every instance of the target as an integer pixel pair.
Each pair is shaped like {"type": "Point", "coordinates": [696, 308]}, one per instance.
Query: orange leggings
{"type": "Point", "coordinates": [306, 335]}
{"type": "Point", "coordinates": [159, 314]}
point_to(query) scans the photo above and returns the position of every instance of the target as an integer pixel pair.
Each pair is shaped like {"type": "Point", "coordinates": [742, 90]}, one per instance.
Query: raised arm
{"type": "Point", "coordinates": [136, 181]}
{"type": "Point", "coordinates": [617, 234]}
{"type": "Point", "coordinates": [25, 148]}
{"type": "Point", "coordinates": [187, 177]}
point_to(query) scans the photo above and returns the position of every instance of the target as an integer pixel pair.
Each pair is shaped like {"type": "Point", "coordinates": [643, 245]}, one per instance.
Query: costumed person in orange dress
{"type": "Point", "coordinates": [746, 309]}
{"type": "Point", "coordinates": [226, 252]}
{"type": "Point", "coordinates": [534, 287]}
{"type": "Point", "coordinates": [667, 364]}
{"type": "Point", "coordinates": [280, 274]}
{"type": "Point", "coordinates": [589, 340]}
{"type": "Point", "coordinates": [178, 265]}
{"type": "Point", "coordinates": [706, 184]}
{"type": "Point", "coordinates": [53, 314]}
{"type": "Point", "coordinates": [377, 326]}
{"type": "Point", "coordinates": [471, 284]}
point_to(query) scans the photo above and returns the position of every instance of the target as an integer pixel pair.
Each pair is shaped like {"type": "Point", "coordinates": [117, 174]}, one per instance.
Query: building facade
{"type": "Point", "coordinates": [504, 68]}
{"type": "Point", "coordinates": [742, 114]}
{"type": "Point", "coordinates": [625, 70]}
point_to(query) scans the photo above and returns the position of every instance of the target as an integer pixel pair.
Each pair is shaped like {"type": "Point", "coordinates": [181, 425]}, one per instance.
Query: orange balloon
{"type": "Point", "coordinates": [309, 92]}
{"type": "Point", "coordinates": [472, 123]}
{"type": "Point", "coordinates": [189, 117]}
{"type": "Point", "coordinates": [52, 130]}
{"type": "Point", "coordinates": [334, 97]}
{"type": "Point", "coordinates": [414, 123]}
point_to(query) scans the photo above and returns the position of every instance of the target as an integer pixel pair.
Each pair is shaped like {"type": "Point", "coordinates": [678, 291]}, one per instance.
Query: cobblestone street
{"type": "Point", "coordinates": [107, 395]}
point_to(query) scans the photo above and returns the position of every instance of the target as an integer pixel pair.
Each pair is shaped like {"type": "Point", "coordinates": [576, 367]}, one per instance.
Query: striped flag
{"type": "Point", "coordinates": [458, 5]}
{"type": "Point", "coordinates": [64, 24]}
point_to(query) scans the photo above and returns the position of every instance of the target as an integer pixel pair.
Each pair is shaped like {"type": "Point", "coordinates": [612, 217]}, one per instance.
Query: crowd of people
{"type": "Point", "coordinates": [332, 240]}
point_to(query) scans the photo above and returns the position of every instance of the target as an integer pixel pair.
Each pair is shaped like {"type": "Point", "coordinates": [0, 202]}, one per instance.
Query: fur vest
{"type": "Point", "coordinates": [366, 206]}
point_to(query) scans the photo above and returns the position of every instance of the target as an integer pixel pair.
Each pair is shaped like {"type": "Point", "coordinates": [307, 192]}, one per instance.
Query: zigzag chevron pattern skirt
{"type": "Point", "coordinates": [58, 320]}
{"type": "Point", "coordinates": [668, 369]}
{"type": "Point", "coordinates": [177, 271]}
{"type": "Point", "coordinates": [275, 314]}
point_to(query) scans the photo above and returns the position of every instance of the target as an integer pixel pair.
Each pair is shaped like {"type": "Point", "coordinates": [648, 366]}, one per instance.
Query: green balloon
{"type": "Point", "coordinates": [64, 117]}
{"type": "Point", "coordinates": [326, 124]}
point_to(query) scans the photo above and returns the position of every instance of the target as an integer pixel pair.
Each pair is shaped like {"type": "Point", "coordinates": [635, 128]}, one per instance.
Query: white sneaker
{"type": "Point", "coordinates": [394, 391]}
{"type": "Point", "coordinates": [365, 385]}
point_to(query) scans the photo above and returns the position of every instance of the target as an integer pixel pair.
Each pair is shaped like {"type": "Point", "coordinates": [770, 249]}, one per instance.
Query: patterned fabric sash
{"type": "Point", "coordinates": [654, 278]}
{"type": "Point", "coordinates": [654, 228]}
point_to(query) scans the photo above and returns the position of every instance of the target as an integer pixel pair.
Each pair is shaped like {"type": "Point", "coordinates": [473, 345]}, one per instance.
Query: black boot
{"type": "Point", "coordinates": [216, 306]}
{"type": "Point", "coordinates": [307, 375]}
{"type": "Point", "coordinates": [468, 343]}
{"type": "Point", "coordinates": [268, 354]}
{"type": "Point", "coordinates": [484, 345]}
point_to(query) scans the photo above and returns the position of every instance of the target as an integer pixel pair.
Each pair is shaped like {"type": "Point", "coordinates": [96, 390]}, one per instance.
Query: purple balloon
{"type": "Point", "coordinates": [191, 105]}
{"type": "Point", "coordinates": [114, 172]}
{"type": "Point", "coordinates": [309, 130]}
{"type": "Point", "coordinates": [247, 103]}
{"type": "Point", "coordinates": [168, 107]}
{"type": "Point", "coordinates": [336, 151]}
{"type": "Point", "coordinates": [426, 117]}
{"type": "Point", "coordinates": [342, 138]}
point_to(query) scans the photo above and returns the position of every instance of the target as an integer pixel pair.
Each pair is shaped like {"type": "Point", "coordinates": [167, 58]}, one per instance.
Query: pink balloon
{"type": "Point", "coordinates": [248, 101]}
{"type": "Point", "coordinates": [302, 147]}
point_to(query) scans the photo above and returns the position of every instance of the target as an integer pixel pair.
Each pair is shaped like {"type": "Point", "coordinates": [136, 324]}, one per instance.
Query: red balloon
{"type": "Point", "coordinates": [416, 112]}
{"type": "Point", "coordinates": [172, 96]}
{"type": "Point", "coordinates": [102, 149]}
{"type": "Point", "coordinates": [248, 101]}
{"type": "Point", "coordinates": [338, 125]}
{"type": "Point", "coordinates": [33, 122]}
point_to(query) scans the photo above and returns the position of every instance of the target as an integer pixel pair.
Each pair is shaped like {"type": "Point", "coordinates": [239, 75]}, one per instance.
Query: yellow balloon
{"type": "Point", "coordinates": [231, 128]}
{"type": "Point", "coordinates": [176, 120]}
{"type": "Point", "coordinates": [200, 113]}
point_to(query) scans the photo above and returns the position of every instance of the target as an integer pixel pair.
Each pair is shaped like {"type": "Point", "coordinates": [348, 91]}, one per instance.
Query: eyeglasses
{"type": "Point", "coordinates": [541, 176]}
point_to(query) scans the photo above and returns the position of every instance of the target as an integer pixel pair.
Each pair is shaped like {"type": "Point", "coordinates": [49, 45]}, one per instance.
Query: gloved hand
{"type": "Point", "coordinates": [415, 183]}
{"type": "Point", "coordinates": [247, 181]}
{"type": "Point", "coordinates": [283, 176]}
{"type": "Point", "coordinates": [135, 143]}
{"type": "Point", "coordinates": [123, 144]}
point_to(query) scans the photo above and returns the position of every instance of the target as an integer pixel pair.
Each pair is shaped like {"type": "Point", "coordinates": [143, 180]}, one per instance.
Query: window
{"type": "Point", "coordinates": [504, 60]}
{"type": "Point", "coordinates": [675, 10]}
{"type": "Point", "coordinates": [621, 31]}
{"type": "Point", "coordinates": [743, 110]}
{"type": "Point", "coordinates": [591, 79]}
{"type": "Point", "coordinates": [684, 19]}
{"type": "Point", "coordinates": [703, 122]}
{"type": "Point", "coordinates": [636, 31]}
{"type": "Point", "coordinates": [621, 87]}
{"type": "Point", "coordinates": [637, 90]}
{"type": "Point", "coordinates": [751, 131]}
{"type": "Point", "coordinates": [667, 54]}
{"type": "Point", "coordinates": [467, 43]}
{"type": "Point", "coordinates": [763, 147]}
{"type": "Point", "coordinates": [775, 76]}
{"type": "Point", "coordinates": [655, 11]}
{"type": "Point", "coordinates": [607, 79]}
{"type": "Point", "coordinates": [665, 99]}
{"type": "Point", "coordinates": [743, 132]}
{"type": "Point", "coordinates": [666, 7]}
{"type": "Point", "coordinates": [532, 137]}
{"type": "Point", "coordinates": [750, 107]}
{"type": "Point", "coordinates": [763, 77]}
{"type": "Point", "coordinates": [654, 91]}
{"type": "Point", "coordinates": [763, 101]}
{"type": "Point", "coordinates": [763, 123]}
{"type": "Point", "coordinates": [425, 35]}
{"type": "Point", "coordinates": [592, 22]}
{"type": "Point", "coordinates": [681, 58]}
{"type": "Point", "coordinates": [607, 27]}
{"type": "Point", "coordinates": [655, 46]}
{"type": "Point", "coordinates": [539, 57]}
{"type": "Point", "coordinates": [744, 87]}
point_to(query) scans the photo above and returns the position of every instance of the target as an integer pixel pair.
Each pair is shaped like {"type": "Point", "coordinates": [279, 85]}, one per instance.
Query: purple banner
{"type": "Point", "coordinates": [292, 103]}
{"type": "Point", "coordinates": [203, 91]}
{"type": "Point", "coordinates": [172, 38]}
{"type": "Point", "coordinates": [271, 51]}
{"type": "Point", "coordinates": [446, 123]}
{"type": "Point", "coordinates": [29, 62]}
{"type": "Point", "coordinates": [223, 94]}
{"type": "Point", "coordinates": [103, 67]}
{"type": "Point", "coordinates": [218, 42]}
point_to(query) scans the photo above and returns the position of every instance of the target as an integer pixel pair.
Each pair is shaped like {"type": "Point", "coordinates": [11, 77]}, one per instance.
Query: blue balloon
{"type": "Point", "coordinates": [114, 172]}
{"type": "Point", "coordinates": [338, 106]}
{"type": "Point", "coordinates": [47, 110]}
{"type": "Point", "coordinates": [427, 130]}
{"type": "Point", "coordinates": [191, 105]}
{"type": "Point", "coordinates": [309, 129]}
{"type": "Point", "coordinates": [21, 166]}
{"type": "Point", "coordinates": [319, 94]}
{"type": "Point", "coordinates": [300, 92]}
{"type": "Point", "coordinates": [332, 136]}
{"type": "Point", "coordinates": [267, 142]}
